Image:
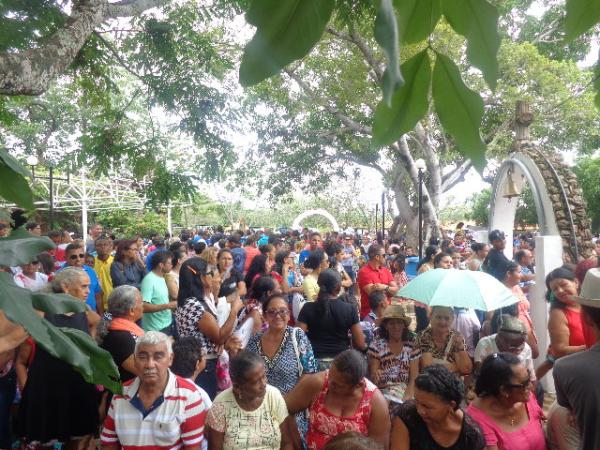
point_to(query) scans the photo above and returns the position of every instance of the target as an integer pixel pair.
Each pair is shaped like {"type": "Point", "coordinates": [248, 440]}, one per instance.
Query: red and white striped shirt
{"type": "Point", "coordinates": [175, 423]}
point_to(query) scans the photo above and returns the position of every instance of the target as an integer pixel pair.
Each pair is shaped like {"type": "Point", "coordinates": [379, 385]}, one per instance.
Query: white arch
{"type": "Point", "coordinates": [316, 212]}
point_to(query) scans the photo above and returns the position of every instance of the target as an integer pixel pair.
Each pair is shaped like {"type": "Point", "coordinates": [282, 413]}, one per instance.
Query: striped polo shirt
{"type": "Point", "coordinates": [175, 420]}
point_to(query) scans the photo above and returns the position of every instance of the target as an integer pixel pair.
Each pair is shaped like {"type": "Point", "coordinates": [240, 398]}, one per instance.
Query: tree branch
{"type": "Point", "coordinates": [368, 54]}
{"type": "Point", "coordinates": [457, 175]}
{"type": "Point", "coordinates": [347, 121]}
{"type": "Point", "coordinates": [31, 72]}
{"type": "Point", "coordinates": [120, 60]}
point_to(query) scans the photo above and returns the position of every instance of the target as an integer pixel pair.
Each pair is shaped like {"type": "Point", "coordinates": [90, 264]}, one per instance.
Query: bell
{"type": "Point", "coordinates": [510, 189]}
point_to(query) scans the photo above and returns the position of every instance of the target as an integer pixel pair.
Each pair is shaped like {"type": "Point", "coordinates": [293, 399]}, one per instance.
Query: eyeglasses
{"type": "Point", "coordinates": [81, 256]}
{"type": "Point", "coordinates": [272, 313]}
{"type": "Point", "coordinates": [524, 385]}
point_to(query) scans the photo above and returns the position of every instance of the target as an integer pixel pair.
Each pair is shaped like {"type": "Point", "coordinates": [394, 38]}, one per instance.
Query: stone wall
{"type": "Point", "coordinates": [567, 201]}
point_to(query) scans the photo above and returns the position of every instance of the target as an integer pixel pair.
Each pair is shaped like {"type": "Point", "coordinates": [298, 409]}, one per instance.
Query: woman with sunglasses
{"type": "Point", "coordinates": [286, 351]}
{"type": "Point", "coordinates": [505, 408]}
{"type": "Point", "coordinates": [127, 267]}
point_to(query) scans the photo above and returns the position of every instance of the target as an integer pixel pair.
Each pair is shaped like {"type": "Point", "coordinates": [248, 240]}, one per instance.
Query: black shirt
{"type": "Point", "coordinates": [496, 264]}
{"type": "Point", "coordinates": [121, 345]}
{"type": "Point", "coordinates": [328, 330]}
{"type": "Point", "coordinates": [229, 285]}
{"type": "Point", "coordinates": [470, 437]}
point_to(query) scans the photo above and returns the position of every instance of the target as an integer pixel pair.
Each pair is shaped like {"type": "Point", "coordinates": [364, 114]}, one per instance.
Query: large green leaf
{"type": "Point", "coordinates": [477, 20]}
{"type": "Point", "coordinates": [409, 103]}
{"type": "Point", "coordinates": [75, 348]}
{"type": "Point", "coordinates": [13, 163]}
{"type": "Point", "coordinates": [581, 16]}
{"type": "Point", "coordinates": [14, 187]}
{"type": "Point", "coordinates": [459, 109]}
{"type": "Point", "coordinates": [21, 247]}
{"type": "Point", "coordinates": [386, 34]}
{"type": "Point", "coordinates": [286, 30]}
{"type": "Point", "coordinates": [417, 18]}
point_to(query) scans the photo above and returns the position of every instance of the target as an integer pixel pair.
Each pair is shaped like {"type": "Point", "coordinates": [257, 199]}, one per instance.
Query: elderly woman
{"type": "Point", "coordinates": [118, 334]}
{"type": "Point", "coordinates": [434, 420]}
{"type": "Point", "coordinates": [440, 344]}
{"type": "Point", "coordinates": [57, 404]}
{"type": "Point", "coordinates": [443, 260]}
{"type": "Point", "coordinates": [505, 408]}
{"type": "Point", "coordinates": [564, 325]}
{"type": "Point", "coordinates": [196, 315]}
{"type": "Point", "coordinates": [341, 399]}
{"type": "Point", "coordinates": [286, 351]}
{"type": "Point", "coordinates": [250, 414]}
{"type": "Point", "coordinates": [393, 356]}
{"type": "Point", "coordinates": [329, 321]}
{"type": "Point", "coordinates": [127, 267]}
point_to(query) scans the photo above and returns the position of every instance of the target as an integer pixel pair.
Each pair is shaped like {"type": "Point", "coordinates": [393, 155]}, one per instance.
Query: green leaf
{"type": "Point", "coordinates": [56, 303]}
{"type": "Point", "coordinates": [581, 16]}
{"type": "Point", "coordinates": [409, 103]}
{"type": "Point", "coordinates": [386, 34]}
{"type": "Point", "coordinates": [13, 163]}
{"type": "Point", "coordinates": [417, 18]}
{"type": "Point", "coordinates": [459, 109]}
{"type": "Point", "coordinates": [477, 20]}
{"type": "Point", "coordinates": [286, 30]}
{"type": "Point", "coordinates": [15, 188]}
{"type": "Point", "coordinates": [22, 247]}
{"type": "Point", "coordinates": [74, 347]}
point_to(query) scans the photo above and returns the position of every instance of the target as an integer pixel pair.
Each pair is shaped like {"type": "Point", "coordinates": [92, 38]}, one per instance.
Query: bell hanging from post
{"type": "Point", "coordinates": [510, 188]}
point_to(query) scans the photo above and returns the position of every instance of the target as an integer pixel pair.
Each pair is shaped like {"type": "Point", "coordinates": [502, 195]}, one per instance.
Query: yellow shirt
{"type": "Point", "coordinates": [310, 287]}
{"type": "Point", "coordinates": [102, 269]}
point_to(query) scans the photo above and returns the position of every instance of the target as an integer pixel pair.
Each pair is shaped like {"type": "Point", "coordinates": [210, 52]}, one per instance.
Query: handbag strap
{"type": "Point", "coordinates": [297, 351]}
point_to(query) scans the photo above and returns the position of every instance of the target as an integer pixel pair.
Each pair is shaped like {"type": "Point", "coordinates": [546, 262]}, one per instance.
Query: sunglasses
{"type": "Point", "coordinates": [81, 256]}
{"type": "Point", "coordinates": [523, 385]}
{"type": "Point", "coordinates": [272, 313]}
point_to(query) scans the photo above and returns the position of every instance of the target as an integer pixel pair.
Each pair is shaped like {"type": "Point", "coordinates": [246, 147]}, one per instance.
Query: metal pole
{"type": "Point", "coordinates": [84, 206]}
{"type": "Point", "coordinates": [169, 222]}
{"type": "Point", "coordinates": [51, 186]}
{"type": "Point", "coordinates": [382, 218]}
{"type": "Point", "coordinates": [420, 214]}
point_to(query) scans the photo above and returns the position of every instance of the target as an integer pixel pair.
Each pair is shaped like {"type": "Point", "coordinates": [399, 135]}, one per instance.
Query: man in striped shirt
{"type": "Point", "coordinates": [158, 410]}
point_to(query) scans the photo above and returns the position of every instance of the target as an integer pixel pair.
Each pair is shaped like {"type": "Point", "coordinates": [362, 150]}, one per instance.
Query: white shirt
{"type": "Point", "coordinates": [34, 285]}
{"type": "Point", "coordinates": [487, 346]}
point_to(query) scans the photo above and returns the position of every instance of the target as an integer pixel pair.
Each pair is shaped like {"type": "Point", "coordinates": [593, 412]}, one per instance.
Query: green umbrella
{"type": "Point", "coordinates": [458, 288]}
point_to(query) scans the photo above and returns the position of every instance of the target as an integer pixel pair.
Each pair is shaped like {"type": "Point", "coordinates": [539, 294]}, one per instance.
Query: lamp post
{"type": "Point", "coordinates": [421, 167]}
{"type": "Point", "coordinates": [32, 161]}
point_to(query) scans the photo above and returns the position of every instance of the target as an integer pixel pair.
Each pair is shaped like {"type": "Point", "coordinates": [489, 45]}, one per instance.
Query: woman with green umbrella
{"type": "Point", "coordinates": [440, 344]}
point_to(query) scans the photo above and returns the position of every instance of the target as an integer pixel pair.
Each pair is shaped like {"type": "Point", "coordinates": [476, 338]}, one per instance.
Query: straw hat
{"type": "Point", "coordinates": [396, 312]}
{"type": "Point", "coordinates": [590, 290]}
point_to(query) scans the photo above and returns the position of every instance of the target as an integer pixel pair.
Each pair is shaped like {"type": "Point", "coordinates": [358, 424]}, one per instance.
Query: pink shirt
{"type": "Point", "coordinates": [529, 437]}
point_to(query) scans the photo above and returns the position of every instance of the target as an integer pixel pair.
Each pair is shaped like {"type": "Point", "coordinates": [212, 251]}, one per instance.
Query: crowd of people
{"type": "Point", "coordinates": [300, 340]}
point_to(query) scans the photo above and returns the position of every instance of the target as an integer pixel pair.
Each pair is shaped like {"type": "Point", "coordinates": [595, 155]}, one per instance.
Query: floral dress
{"type": "Point", "coordinates": [427, 345]}
{"type": "Point", "coordinates": [394, 369]}
{"type": "Point", "coordinates": [283, 369]}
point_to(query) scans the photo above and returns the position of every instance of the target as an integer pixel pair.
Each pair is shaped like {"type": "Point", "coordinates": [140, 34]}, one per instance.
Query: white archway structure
{"type": "Point", "coordinates": [315, 212]}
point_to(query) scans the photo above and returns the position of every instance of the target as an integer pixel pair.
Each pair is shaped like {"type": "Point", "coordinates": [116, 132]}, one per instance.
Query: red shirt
{"type": "Point", "coordinates": [251, 252]}
{"type": "Point", "coordinates": [368, 275]}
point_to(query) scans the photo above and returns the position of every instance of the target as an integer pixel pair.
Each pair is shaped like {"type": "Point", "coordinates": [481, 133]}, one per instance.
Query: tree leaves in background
{"type": "Point", "coordinates": [417, 18]}
{"type": "Point", "coordinates": [459, 109]}
{"type": "Point", "coordinates": [75, 348]}
{"type": "Point", "coordinates": [22, 247]}
{"type": "Point", "coordinates": [409, 103]}
{"type": "Point", "coordinates": [477, 21]}
{"type": "Point", "coordinates": [597, 84]}
{"type": "Point", "coordinates": [386, 35]}
{"type": "Point", "coordinates": [14, 186]}
{"type": "Point", "coordinates": [581, 16]}
{"type": "Point", "coordinates": [286, 31]}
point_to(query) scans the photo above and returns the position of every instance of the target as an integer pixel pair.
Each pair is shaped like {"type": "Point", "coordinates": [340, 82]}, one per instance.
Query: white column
{"type": "Point", "coordinates": [84, 206]}
{"type": "Point", "coordinates": [548, 256]}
